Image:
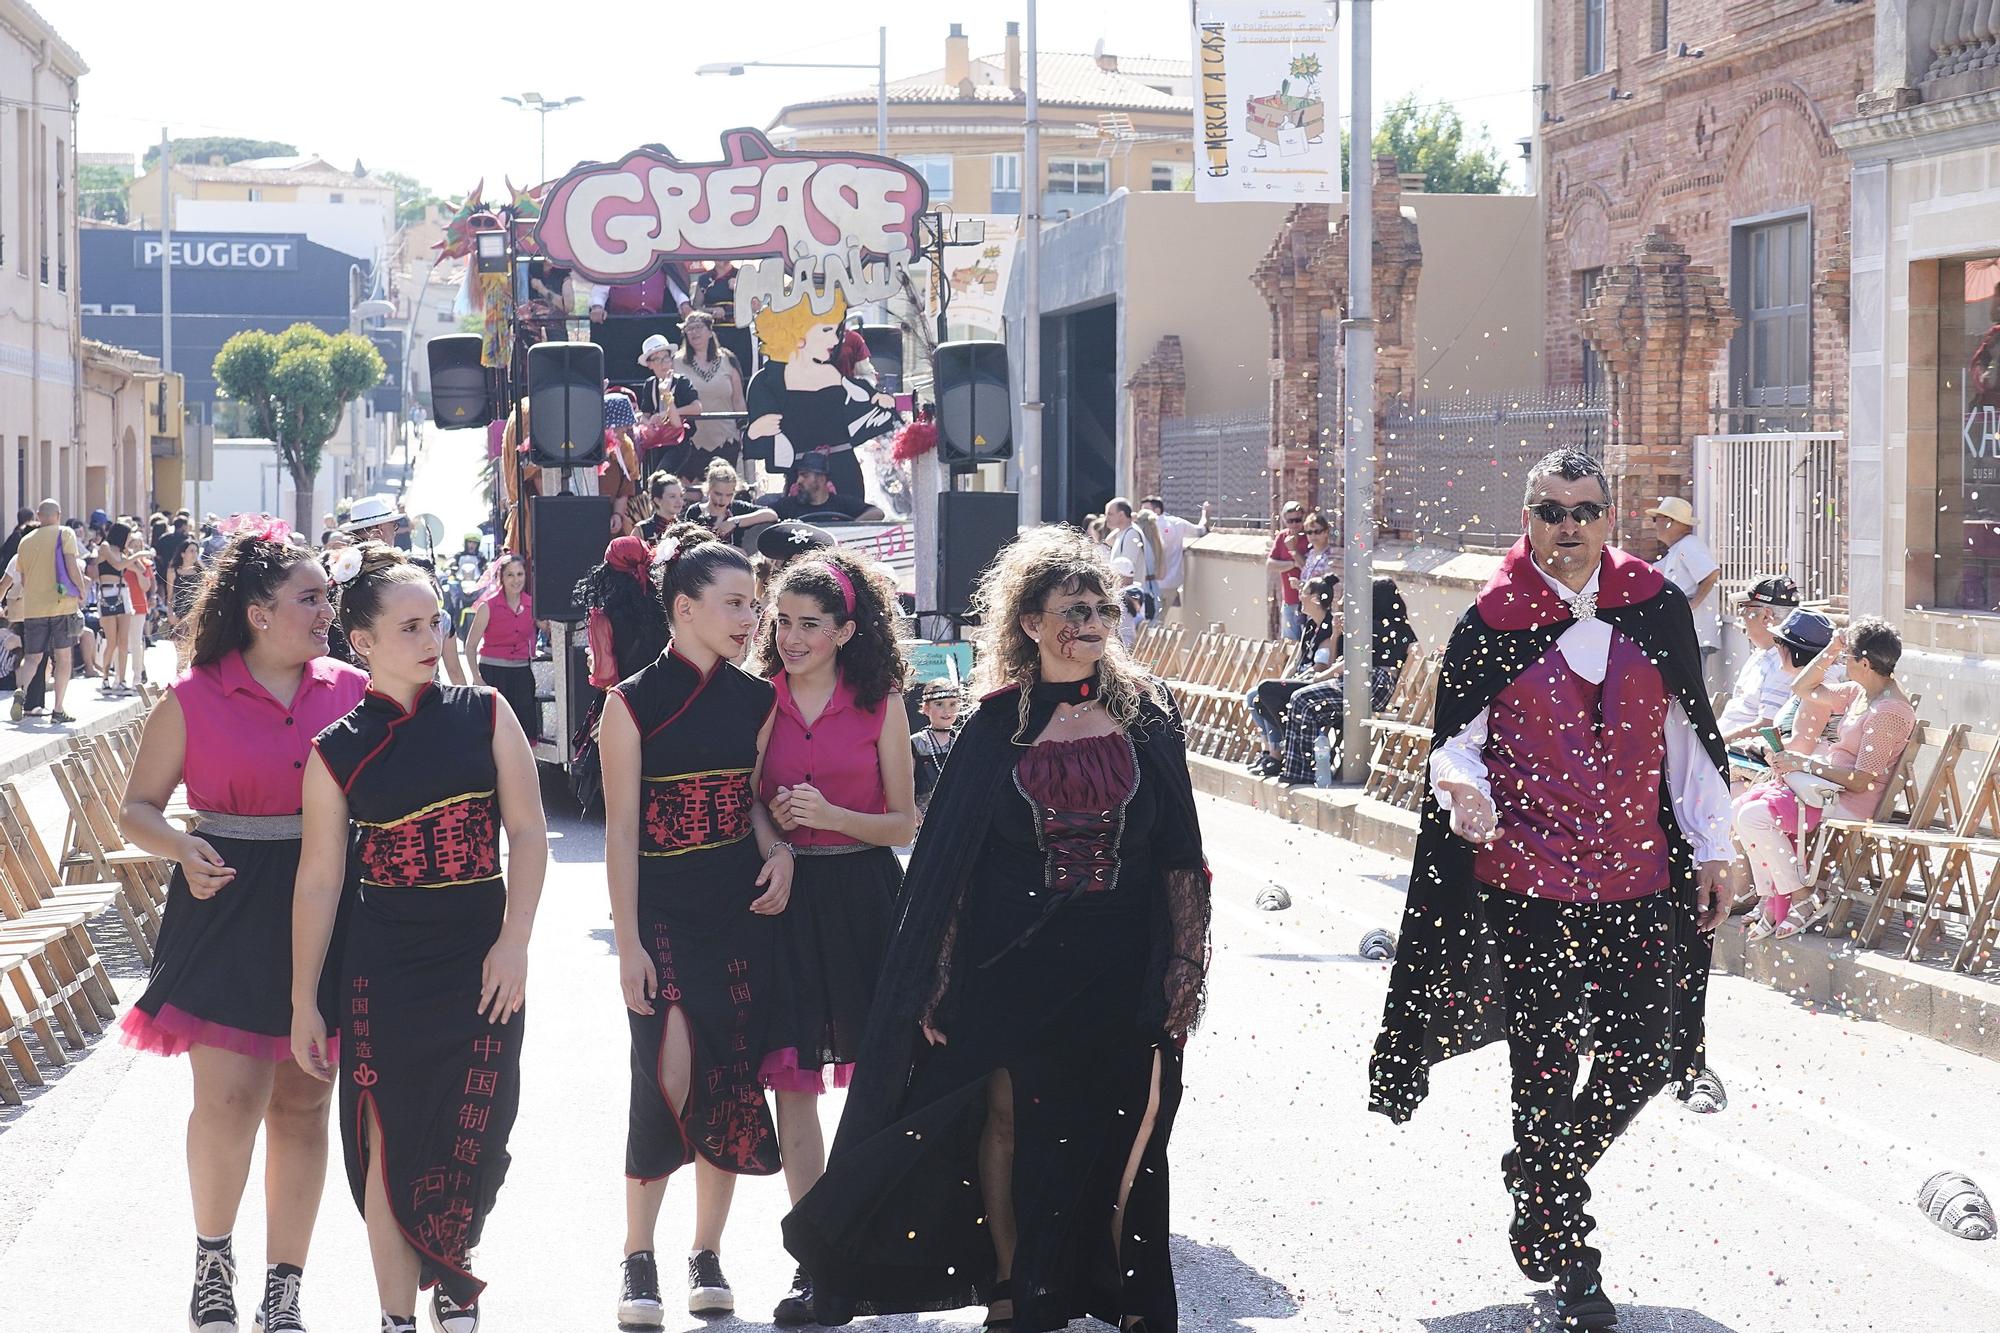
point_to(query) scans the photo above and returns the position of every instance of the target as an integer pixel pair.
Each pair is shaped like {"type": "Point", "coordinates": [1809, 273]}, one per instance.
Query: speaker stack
{"type": "Point", "coordinates": [566, 405]}
{"type": "Point", "coordinates": [972, 528]}
{"type": "Point", "coordinates": [974, 409]}
{"type": "Point", "coordinates": [567, 533]}
{"type": "Point", "coordinates": [459, 395]}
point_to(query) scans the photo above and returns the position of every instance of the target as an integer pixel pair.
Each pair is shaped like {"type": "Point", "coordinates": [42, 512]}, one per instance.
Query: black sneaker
{"type": "Point", "coordinates": [797, 1305]}
{"type": "Point", "coordinates": [708, 1289]}
{"type": "Point", "coordinates": [639, 1303]}
{"type": "Point", "coordinates": [213, 1309]}
{"type": "Point", "coordinates": [448, 1316]}
{"type": "Point", "coordinates": [280, 1311]}
{"type": "Point", "coordinates": [1527, 1237]}
{"type": "Point", "coordinates": [1580, 1298]}
{"type": "Point", "coordinates": [392, 1324]}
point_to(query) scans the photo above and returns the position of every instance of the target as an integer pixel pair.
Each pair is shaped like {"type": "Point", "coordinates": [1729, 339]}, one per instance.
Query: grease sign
{"type": "Point", "coordinates": [615, 222]}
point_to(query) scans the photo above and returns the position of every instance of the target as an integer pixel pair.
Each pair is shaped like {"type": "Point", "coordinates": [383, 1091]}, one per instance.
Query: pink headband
{"type": "Point", "coordinates": [846, 585]}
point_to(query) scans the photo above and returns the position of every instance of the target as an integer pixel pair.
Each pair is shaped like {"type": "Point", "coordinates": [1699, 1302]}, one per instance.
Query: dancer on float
{"type": "Point", "coordinates": [1570, 864]}
{"type": "Point", "coordinates": [1005, 1135]}
{"type": "Point", "coordinates": [837, 778]}
{"type": "Point", "coordinates": [238, 729]}
{"type": "Point", "coordinates": [698, 873]}
{"type": "Point", "coordinates": [420, 778]}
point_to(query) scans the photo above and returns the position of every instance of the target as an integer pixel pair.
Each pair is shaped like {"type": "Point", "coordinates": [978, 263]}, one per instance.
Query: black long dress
{"type": "Point", "coordinates": [1081, 872]}
{"type": "Point", "coordinates": [427, 904]}
{"type": "Point", "coordinates": [698, 868]}
{"type": "Point", "coordinates": [834, 418]}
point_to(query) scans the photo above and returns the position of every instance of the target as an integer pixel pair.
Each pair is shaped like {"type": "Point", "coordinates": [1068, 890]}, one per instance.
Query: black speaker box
{"type": "Point", "coordinates": [566, 405]}
{"type": "Point", "coordinates": [975, 414]}
{"type": "Point", "coordinates": [568, 534]}
{"type": "Point", "coordinates": [621, 337]}
{"type": "Point", "coordinates": [885, 353]}
{"type": "Point", "coordinates": [459, 394]}
{"type": "Point", "coordinates": [972, 527]}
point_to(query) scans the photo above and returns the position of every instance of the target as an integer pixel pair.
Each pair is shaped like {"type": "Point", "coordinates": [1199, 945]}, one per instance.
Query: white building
{"type": "Point", "coordinates": [40, 335]}
{"type": "Point", "coordinates": [351, 212]}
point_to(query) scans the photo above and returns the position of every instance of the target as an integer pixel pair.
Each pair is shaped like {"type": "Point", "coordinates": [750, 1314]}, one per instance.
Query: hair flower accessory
{"type": "Point", "coordinates": [343, 565]}
{"type": "Point", "coordinates": [263, 527]}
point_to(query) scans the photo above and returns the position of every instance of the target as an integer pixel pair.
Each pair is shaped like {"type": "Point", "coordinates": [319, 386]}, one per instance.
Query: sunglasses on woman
{"type": "Point", "coordinates": [1080, 613]}
{"type": "Point", "coordinates": [1552, 513]}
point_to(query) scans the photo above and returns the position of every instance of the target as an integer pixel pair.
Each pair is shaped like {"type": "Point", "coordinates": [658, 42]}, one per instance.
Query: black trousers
{"type": "Point", "coordinates": [1577, 974]}
{"type": "Point", "coordinates": [517, 686]}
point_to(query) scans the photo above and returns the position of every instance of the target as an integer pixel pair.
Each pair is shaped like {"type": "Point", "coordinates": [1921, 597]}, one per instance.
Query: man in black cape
{"type": "Point", "coordinates": [1568, 870]}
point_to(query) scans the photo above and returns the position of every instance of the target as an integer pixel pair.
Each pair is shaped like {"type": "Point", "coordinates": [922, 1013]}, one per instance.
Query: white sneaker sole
{"type": "Point", "coordinates": [461, 1323]}
{"type": "Point", "coordinates": [642, 1314]}
{"type": "Point", "coordinates": [212, 1326]}
{"type": "Point", "coordinates": [711, 1300]}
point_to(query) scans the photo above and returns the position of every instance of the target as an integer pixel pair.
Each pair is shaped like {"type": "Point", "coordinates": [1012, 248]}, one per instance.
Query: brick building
{"type": "Point", "coordinates": [1697, 206]}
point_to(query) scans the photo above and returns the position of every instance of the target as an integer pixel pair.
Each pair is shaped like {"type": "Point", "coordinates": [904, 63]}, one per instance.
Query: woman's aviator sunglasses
{"type": "Point", "coordinates": [1080, 613]}
{"type": "Point", "coordinates": [1550, 512]}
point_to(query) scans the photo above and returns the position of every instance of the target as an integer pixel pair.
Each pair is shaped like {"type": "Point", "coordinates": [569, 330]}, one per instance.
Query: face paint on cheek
{"type": "Point", "coordinates": [1066, 638]}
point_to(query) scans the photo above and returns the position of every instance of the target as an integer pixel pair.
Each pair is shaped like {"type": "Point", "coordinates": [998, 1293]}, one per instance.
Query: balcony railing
{"type": "Point", "coordinates": [1965, 48]}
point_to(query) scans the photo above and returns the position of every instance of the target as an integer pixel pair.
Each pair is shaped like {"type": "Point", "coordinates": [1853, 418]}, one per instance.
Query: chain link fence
{"type": "Point", "coordinates": [1451, 470]}
{"type": "Point", "coordinates": [1220, 459]}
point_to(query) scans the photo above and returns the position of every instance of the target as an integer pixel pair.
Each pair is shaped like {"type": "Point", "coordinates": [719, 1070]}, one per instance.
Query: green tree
{"type": "Point", "coordinates": [102, 193]}
{"type": "Point", "coordinates": [227, 147]}
{"type": "Point", "coordinates": [294, 386]}
{"type": "Point", "coordinates": [1434, 140]}
{"type": "Point", "coordinates": [412, 197]}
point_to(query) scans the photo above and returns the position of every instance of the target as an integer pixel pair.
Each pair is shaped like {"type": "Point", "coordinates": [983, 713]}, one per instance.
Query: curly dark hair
{"type": "Point", "coordinates": [872, 662]}
{"type": "Point", "coordinates": [250, 569]}
{"type": "Point", "coordinates": [632, 605]}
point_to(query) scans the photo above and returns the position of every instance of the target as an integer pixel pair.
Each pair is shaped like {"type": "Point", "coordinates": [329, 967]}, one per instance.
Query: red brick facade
{"type": "Point", "coordinates": [1702, 146]}
{"type": "Point", "coordinates": [1158, 392]}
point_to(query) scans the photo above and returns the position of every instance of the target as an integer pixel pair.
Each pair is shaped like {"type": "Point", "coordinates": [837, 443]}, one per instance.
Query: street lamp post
{"type": "Point", "coordinates": [542, 105]}
{"type": "Point", "coordinates": [881, 68]}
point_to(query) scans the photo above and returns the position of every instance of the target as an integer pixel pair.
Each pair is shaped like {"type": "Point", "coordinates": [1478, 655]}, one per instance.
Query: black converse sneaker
{"type": "Point", "coordinates": [280, 1311]}
{"type": "Point", "coordinates": [797, 1305]}
{"type": "Point", "coordinates": [639, 1303]}
{"type": "Point", "coordinates": [708, 1289]}
{"type": "Point", "coordinates": [397, 1324]}
{"type": "Point", "coordinates": [448, 1316]}
{"type": "Point", "coordinates": [213, 1309]}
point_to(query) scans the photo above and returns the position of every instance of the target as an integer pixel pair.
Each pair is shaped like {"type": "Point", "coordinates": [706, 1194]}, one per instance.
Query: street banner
{"type": "Point", "coordinates": [1267, 97]}
{"type": "Point", "coordinates": [978, 276]}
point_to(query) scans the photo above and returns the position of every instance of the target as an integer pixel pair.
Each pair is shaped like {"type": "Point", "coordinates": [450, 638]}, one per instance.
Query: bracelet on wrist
{"type": "Point", "coordinates": [779, 846]}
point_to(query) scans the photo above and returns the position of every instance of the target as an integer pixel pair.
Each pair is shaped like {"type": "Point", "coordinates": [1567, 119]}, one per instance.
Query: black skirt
{"type": "Point", "coordinates": [714, 958]}
{"type": "Point", "coordinates": [443, 1082]}
{"type": "Point", "coordinates": [517, 686]}
{"type": "Point", "coordinates": [831, 939]}
{"type": "Point", "coordinates": [222, 966]}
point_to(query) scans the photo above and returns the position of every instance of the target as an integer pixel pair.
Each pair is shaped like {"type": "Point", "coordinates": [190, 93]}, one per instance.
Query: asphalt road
{"type": "Point", "coordinates": [1293, 1207]}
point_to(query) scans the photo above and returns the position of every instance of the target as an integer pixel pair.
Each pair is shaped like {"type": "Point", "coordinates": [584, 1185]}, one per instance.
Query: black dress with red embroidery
{"type": "Point", "coordinates": [426, 905]}
{"type": "Point", "coordinates": [698, 868]}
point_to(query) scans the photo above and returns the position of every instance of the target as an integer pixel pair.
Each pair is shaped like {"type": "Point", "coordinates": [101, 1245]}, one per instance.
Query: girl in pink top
{"type": "Point", "coordinates": [500, 642]}
{"type": "Point", "coordinates": [237, 729]}
{"type": "Point", "coordinates": [838, 778]}
{"type": "Point", "coordinates": [1876, 723]}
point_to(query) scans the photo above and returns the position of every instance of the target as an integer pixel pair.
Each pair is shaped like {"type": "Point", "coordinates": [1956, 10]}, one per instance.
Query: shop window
{"type": "Point", "coordinates": [1968, 435]}
{"type": "Point", "coordinates": [1593, 37]}
{"type": "Point", "coordinates": [936, 171]}
{"type": "Point", "coordinates": [1006, 183]}
{"type": "Point", "coordinates": [1770, 361]}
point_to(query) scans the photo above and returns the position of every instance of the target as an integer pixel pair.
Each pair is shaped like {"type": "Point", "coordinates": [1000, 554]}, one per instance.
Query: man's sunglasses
{"type": "Point", "coordinates": [1079, 613]}
{"type": "Point", "coordinates": [1290, 519]}
{"type": "Point", "coordinates": [1552, 513]}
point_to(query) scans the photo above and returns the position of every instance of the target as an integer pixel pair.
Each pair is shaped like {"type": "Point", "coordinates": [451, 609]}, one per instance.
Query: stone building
{"type": "Point", "coordinates": [1697, 207]}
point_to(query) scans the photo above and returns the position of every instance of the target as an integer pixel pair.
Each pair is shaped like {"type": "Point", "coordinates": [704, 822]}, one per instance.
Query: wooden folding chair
{"type": "Point", "coordinates": [99, 853]}
{"type": "Point", "coordinates": [39, 879]}
{"type": "Point", "coordinates": [1844, 850]}
{"type": "Point", "coordinates": [60, 929]}
{"type": "Point", "coordinates": [16, 1026]}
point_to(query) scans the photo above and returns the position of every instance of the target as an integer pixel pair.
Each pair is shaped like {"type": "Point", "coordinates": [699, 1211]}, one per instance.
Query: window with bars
{"type": "Point", "coordinates": [1660, 24]}
{"type": "Point", "coordinates": [1593, 37]}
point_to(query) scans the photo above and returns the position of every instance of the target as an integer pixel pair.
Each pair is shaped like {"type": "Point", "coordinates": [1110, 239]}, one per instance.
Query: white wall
{"type": "Point", "coordinates": [250, 480]}
{"type": "Point", "coordinates": [358, 227]}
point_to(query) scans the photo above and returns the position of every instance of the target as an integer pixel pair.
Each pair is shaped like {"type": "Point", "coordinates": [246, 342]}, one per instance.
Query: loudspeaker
{"type": "Point", "coordinates": [568, 534]}
{"type": "Point", "coordinates": [566, 405]}
{"type": "Point", "coordinates": [972, 527]}
{"type": "Point", "coordinates": [885, 351]}
{"type": "Point", "coordinates": [621, 337]}
{"type": "Point", "coordinates": [458, 382]}
{"type": "Point", "coordinates": [975, 416]}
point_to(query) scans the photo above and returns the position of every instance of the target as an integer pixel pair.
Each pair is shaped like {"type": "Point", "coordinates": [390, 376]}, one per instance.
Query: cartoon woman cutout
{"type": "Point", "coordinates": [799, 401]}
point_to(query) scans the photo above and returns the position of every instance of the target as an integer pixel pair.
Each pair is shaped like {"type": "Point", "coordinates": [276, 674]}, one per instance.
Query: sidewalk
{"type": "Point", "coordinates": [1822, 974]}
{"type": "Point", "coordinates": [33, 742]}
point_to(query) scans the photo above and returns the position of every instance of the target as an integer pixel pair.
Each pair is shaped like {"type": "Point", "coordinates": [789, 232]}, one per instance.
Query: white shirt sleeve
{"type": "Point", "coordinates": [599, 294]}
{"type": "Point", "coordinates": [1462, 759]}
{"type": "Point", "coordinates": [1698, 792]}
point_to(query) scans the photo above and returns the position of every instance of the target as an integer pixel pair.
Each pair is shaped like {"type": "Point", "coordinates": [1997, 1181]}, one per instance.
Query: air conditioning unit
{"type": "Point", "coordinates": [124, 308]}
{"type": "Point", "coordinates": [92, 308]}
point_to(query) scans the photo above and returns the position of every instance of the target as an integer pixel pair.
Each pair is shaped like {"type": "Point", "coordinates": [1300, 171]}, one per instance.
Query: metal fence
{"type": "Point", "coordinates": [1775, 503]}
{"type": "Point", "coordinates": [1451, 470]}
{"type": "Point", "coordinates": [1223, 460]}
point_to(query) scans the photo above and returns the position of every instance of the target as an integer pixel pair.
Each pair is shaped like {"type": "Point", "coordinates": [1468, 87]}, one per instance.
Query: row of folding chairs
{"type": "Point", "coordinates": [1210, 683]}
{"type": "Point", "coordinates": [1399, 747]}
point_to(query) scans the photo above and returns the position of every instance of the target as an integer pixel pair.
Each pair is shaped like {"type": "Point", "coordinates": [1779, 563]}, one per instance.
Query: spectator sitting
{"type": "Point", "coordinates": [1287, 558]}
{"type": "Point", "coordinates": [1691, 567]}
{"type": "Point", "coordinates": [1320, 709]}
{"type": "Point", "coordinates": [669, 498]}
{"type": "Point", "coordinates": [813, 497]}
{"type": "Point", "coordinates": [1773, 818]}
{"type": "Point", "coordinates": [1315, 665]}
{"type": "Point", "coordinates": [1175, 532]}
{"type": "Point", "coordinates": [722, 513]}
{"type": "Point", "coordinates": [1764, 684]}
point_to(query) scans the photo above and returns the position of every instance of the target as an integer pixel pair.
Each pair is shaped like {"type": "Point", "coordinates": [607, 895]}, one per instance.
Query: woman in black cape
{"type": "Point", "coordinates": [1005, 1136]}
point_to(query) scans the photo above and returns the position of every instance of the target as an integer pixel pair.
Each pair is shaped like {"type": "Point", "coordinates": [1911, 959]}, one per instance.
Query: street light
{"type": "Point", "coordinates": [881, 68]}
{"type": "Point", "coordinates": [543, 105]}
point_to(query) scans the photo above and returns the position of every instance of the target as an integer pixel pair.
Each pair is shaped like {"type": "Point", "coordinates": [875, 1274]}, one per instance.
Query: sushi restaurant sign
{"type": "Point", "coordinates": [1267, 94]}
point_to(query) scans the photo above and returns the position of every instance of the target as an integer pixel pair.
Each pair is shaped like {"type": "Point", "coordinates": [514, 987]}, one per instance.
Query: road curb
{"type": "Point", "coordinates": [1820, 973]}
{"type": "Point", "coordinates": [57, 744]}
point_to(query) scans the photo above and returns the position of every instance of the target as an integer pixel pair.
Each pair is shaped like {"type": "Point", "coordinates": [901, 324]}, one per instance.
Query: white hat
{"type": "Point", "coordinates": [1122, 565]}
{"type": "Point", "coordinates": [1675, 508]}
{"type": "Point", "coordinates": [654, 345]}
{"type": "Point", "coordinates": [370, 510]}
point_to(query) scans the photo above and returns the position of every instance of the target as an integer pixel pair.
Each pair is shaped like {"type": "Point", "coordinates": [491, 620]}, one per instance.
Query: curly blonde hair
{"type": "Point", "coordinates": [1042, 562]}
{"type": "Point", "coordinates": [779, 332]}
